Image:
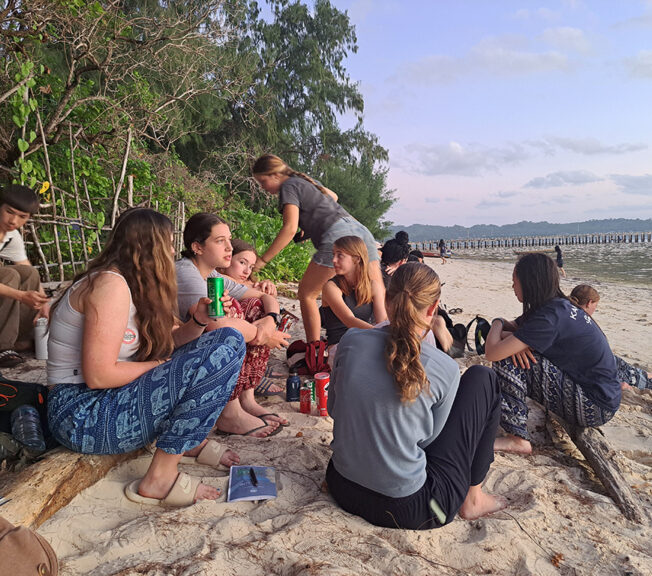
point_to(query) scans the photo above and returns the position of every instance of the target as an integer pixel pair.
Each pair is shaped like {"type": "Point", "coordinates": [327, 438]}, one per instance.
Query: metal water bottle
{"type": "Point", "coordinates": [292, 386]}
{"type": "Point", "coordinates": [41, 339]}
{"type": "Point", "coordinates": [26, 428]}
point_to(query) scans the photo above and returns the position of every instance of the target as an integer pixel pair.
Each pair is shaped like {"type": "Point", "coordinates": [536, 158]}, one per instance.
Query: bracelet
{"type": "Point", "coordinates": [502, 322]}
{"type": "Point", "coordinates": [198, 322]}
{"type": "Point", "coordinates": [265, 261]}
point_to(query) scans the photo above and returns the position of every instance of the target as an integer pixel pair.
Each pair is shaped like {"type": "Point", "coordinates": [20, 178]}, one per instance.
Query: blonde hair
{"type": "Point", "coordinates": [413, 287]}
{"type": "Point", "coordinates": [582, 294]}
{"type": "Point", "coordinates": [270, 164]}
{"type": "Point", "coordinates": [357, 249]}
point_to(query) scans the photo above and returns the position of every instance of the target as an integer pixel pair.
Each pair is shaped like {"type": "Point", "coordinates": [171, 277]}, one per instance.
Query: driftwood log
{"type": "Point", "coordinates": [41, 489]}
{"type": "Point", "coordinates": [600, 456]}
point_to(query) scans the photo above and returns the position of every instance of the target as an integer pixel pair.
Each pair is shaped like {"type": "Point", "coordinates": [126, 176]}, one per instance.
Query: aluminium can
{"type": "Point", "coordinates": [215, 291]}
{"type": "Point", "coordinates": [305, 403]}
{"type": "Point", "coordinates": [322, 381]}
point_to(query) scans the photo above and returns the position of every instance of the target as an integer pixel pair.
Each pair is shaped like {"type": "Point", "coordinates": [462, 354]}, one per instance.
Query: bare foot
{"type": "Point", "coordinates": [244, 422]}
{"type": "Point", "coordinates": [625, 386]}
{"type": "Point", "coordinates": [249, 404]}
{"type": "Point", "coordinates": [160, 487]}
{"type": "Point", "coordinates": [481, 504]}
{"type": "Point", "coordinates": [229, 458]}
{"type": "Point", "coordinates": [512, 444]}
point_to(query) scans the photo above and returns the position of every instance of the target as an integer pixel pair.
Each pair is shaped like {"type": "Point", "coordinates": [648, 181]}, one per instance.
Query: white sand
{"type": "Point", "coordinates": [558, 511]}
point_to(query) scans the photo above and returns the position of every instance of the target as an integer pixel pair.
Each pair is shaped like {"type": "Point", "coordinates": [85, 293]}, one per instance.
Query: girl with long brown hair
{"type": "Point", "coordinates": [412, 442]}
{"type": "Point", "coordinates": [587, 298]}
{"type": "Point", "coordinates": [126, 372]}
{"type": "Point", "coordinates": [306, 204]}
{"type": "Point", "coordinates": [350, 299]}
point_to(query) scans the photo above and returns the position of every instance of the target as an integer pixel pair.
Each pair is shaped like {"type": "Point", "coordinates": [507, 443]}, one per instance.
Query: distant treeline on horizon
{"type": "Point", "coordinates": [426, 232]}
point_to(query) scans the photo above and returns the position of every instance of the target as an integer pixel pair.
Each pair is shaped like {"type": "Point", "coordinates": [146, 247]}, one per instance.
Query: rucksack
{"type": "Point", "coordinates": [481, 331]}
{"type": "Point", "coordinates": [14, 394]}
{"type": "Point", "coordinates": [458, 332]}
{"type": "Point", "coordinates": [310, 358]}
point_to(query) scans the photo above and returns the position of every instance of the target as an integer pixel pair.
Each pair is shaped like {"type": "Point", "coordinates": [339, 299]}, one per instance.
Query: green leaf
{"type": "Point", "coordinates": [28, 166]}
{"type": "Point", "coordinates": [32, 136]}
{"type": "Point", "coordinates": [18, 121]}
{"type": "Point", "coordinates": [22, 145]}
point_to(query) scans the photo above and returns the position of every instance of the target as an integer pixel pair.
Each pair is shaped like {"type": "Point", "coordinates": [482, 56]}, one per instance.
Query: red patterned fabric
{"type": "Point", "coordinates": [255, 362]}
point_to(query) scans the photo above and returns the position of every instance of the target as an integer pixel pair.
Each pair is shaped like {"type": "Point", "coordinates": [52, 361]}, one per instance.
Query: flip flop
{"type": "Point", "coordinates": [455, 311]}
{"type": "Point", "coordinates": [263, 388]}
{"type": "Point", "coordinates": [210, 455]}
{"type": "Point", "coordinates": [10, 358]}
{"type": "Point", "coordinates": [181, 494]}
{"type": "Point", "coordinates": [262, 417]}
{"type": "Point", "coordinates": [250, 432]}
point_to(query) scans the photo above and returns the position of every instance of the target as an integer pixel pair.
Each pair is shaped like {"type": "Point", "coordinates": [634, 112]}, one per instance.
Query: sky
{"type": "Point", "coordinates": [503, 111]}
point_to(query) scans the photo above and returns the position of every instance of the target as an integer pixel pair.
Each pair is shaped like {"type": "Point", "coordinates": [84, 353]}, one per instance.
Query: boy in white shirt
{"type": "Point", "coordinates": [22, 299]}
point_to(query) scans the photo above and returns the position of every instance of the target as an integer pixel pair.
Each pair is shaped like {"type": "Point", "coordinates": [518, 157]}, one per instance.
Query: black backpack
{"type": "Point", "coordinates": [482, 328]}
{"type": "Point", "coordinates": [14, 394]}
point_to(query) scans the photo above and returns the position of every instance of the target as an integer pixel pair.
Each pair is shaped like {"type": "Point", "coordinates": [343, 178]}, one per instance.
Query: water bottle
{"type": "Point", "coordinates": [26, 428]}
{"type": "Point", "coordinates": [292, 386]}
{"type": "Point", "coordinates": [41, 339]}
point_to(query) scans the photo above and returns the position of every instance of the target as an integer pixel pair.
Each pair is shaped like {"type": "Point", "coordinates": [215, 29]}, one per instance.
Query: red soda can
{"type": "Point", "coordinates": [305, 402]}
{"type": "Point", "coordinates": [322, 380]}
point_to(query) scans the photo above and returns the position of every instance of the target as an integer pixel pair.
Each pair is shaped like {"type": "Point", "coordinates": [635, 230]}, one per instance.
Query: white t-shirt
{"type": "Point", "coordinates": [12, 247]}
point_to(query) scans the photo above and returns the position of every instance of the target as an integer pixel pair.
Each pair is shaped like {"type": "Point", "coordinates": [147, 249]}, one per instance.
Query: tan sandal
{"type": "Point", "coordinates": [181, 494]}
{"type": "Point", "coordinates": [210, 455]}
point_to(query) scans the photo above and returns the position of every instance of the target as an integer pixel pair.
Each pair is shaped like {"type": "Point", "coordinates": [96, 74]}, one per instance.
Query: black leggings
{"type": "Point", "coordinates": [458, 458]}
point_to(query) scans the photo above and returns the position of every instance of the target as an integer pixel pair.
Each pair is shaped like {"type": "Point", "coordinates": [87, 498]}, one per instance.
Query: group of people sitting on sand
{"type": "Point", "coordinates": [134, 357]}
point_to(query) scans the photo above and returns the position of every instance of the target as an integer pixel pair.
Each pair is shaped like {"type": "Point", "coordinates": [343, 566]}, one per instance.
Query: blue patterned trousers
{"type": "Point", "coordinates": [636, 377]}
{"type": "Point", "coordinates": [549, 386]}
{"type": "Point", "coordinates": [176, 403]}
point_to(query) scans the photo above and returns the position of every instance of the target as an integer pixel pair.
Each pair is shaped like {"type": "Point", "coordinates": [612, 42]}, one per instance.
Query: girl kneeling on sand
{"type": "Point", "coordinates": [207, 241]}
{"type": "Point", "coordinates": [412, 443]}
{"type": "Point", "coordinates": [586, 297]}
{"type": "Point", "coordinates": [305, 203]}
{"type": "Point", "coordinates": [350, 299]}
{"type": "Point", "coordinates": [126, 372]}
{"type": "Point", "coordinates": [554, 353]}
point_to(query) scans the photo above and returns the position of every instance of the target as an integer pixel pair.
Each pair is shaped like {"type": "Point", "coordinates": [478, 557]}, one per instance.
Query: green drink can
{"type": "Point", "coordinates": [311, 385]}
{"type": "Point", "coordinates": [215, 292]}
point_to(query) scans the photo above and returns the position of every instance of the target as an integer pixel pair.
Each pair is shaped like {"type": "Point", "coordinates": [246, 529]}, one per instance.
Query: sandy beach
{"type": "Point", "coordinates": [559, 521]}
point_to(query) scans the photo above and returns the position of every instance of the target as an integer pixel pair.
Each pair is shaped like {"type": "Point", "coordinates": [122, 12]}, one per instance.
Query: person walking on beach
{"type": "Point", "coordinates": [412, 443]}
{"type": "Point", "coordinates": [126, 372]}
{"type": "Point", "coordinates": [586, 297]}
{"type": "Point", "coordinates": [306, 204]}
{"type": "Point", "coordinates": [554, 353]}
{"type": "Point", "coordinates": [560, 262]}
{"type": "Point", "coordinates": [442, 250]}
{"type": "Point", "coordinates": [22, 298]}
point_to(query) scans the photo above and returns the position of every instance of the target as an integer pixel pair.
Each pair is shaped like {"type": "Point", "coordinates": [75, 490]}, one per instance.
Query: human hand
{"type": "Point", "coordinates": [226, 302]}
{"type": "Point", "coordinates": [200, 310]}
{"type": "Point", "coordinates": [33, 299]}
{"type": "Point", "coordinates": [267, 287]}
{"type": "Point", "coordinates": [524, 358]}
{"type": "Point", "coordinates": [43, 312]}
{"type": "Point", "coordinates": [260, 263]}
{"type": "Point", "coordinates": [268, 335]}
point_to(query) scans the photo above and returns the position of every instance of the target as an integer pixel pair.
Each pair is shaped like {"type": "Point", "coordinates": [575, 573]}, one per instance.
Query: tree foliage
{"type": "Point", "coordinates": [194, 91]}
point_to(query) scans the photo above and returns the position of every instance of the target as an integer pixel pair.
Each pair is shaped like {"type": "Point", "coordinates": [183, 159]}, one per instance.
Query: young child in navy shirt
{"type": "Point", "coordinates": [554, 353]}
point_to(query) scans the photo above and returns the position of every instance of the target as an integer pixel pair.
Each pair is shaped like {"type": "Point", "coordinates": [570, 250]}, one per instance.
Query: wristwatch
{"type": "Point", "coordinates": [275, 316]}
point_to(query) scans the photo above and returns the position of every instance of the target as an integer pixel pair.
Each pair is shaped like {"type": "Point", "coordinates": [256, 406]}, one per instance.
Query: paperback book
{"type": "Point", "coordinates": [251, 483]}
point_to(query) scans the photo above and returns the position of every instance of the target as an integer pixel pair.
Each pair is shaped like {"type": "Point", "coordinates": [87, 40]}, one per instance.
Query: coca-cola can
{"type": "Point", "coordinates": [305, 401]}
{"type": "Point", "coordinates": [322, 380]}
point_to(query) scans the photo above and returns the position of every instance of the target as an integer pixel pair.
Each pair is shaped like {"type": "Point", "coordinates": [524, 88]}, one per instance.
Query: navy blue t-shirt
{"type": "Point", "coordinates": [568, 337]}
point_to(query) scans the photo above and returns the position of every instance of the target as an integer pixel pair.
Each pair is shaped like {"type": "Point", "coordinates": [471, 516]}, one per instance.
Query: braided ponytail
{"type": "Point", "coordinates": [270, 164]}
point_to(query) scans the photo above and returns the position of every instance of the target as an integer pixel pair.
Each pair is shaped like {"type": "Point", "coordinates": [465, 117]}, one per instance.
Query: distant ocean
{"type": "Point", "coordinates": [625, 263]}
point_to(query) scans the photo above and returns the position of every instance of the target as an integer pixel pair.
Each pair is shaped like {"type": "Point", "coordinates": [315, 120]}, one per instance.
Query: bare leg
{"type": "Point", "coordinates": [161, 475]}
{"type": "Point", "coordinates": [249, 404]}
{"type": "Point", "coordinates": [478, 503]}
{"type": "Point", "coordinates": [310, 287]}
{"type": "Point", "coordinates": [236, 420]}
{"type": "Point", "coordinates": [513, 444]}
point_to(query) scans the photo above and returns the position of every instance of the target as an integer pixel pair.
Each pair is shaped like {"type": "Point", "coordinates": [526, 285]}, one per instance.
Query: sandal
{"type": "Point", "coordinates": [10, 358]}
{"type": "Point", "coordinates": [210, 455]}
{"type": "Point", "coordinates": [181, 494]}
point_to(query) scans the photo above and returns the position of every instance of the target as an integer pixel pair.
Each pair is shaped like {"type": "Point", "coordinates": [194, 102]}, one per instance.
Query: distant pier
{"type": "Point", "coordinates": [537, 241]}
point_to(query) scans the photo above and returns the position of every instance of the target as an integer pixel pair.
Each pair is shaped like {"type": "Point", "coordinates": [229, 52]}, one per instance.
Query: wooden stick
{"type": "Point", "coordinates": [41, 255]}
{"type": "Point", "coordinates": [82, 234]}
{"type": "Point", "coordinates": [595, 448]}
{"type": "Point", "coordinates": [90, 208]}
{"type": "Point", "coordinates": [114, 212]}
